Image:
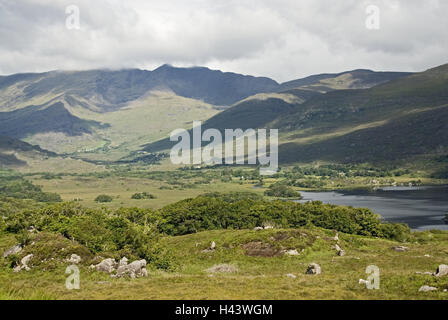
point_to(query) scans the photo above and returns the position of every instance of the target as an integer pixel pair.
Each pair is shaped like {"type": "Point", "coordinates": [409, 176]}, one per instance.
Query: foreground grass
{"type": "Point", "coordinates": [258, 277]}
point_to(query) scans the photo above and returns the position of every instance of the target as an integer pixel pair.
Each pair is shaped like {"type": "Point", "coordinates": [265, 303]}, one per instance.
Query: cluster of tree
{"type": "Point", "coordinates": [143, 195]}
{"type": "Point", "coordinates": [281, 190]}
{"type": "Point", "coordinates": [15, 186]}
{"type": "Point", "coordinates": [103, 198]}
{"type": "Point", "coordinates": [220, 212]}
{"type": "Point", "coordinates": [347, 170]}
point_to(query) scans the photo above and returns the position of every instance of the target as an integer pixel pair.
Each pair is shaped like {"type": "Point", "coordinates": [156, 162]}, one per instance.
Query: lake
{"type": "Point", "coordinates": [421, 208]}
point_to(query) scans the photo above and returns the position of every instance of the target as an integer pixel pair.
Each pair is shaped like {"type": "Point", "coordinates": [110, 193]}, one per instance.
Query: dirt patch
{"type": "Point", "coordinates": [260, 249]}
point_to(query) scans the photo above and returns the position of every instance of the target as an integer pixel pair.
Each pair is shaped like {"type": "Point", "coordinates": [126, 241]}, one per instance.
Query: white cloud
{"type": "Point", "coordinates": [283, 39]}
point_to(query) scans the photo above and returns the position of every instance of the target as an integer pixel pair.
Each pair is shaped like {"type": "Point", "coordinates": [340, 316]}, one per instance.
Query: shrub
{"type": "Point", "coordinates": [143, 195]}
{"type": "Point", "coordinates": [102, 198]}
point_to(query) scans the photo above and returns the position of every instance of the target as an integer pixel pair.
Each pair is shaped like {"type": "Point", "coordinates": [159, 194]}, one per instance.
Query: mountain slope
{"type": "Point", "coordinates": [397, 120]}
{"type": "Point", "coordinates": [35, 119]}
{"type": "Point", "coordinates": [356, 79]}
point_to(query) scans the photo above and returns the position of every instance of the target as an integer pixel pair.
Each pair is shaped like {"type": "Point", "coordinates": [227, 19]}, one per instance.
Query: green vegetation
{"type": "Point", "coordinates": [281, 190]}
{"type": "Point", "coordinates": [102, 198]}
{"type": "Point", "coordinates": [143, 195]}
{"type": "Point", "coordinates": [15, 186]}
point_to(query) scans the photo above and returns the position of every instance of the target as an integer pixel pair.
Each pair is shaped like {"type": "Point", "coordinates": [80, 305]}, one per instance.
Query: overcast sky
{"type": "Point", "coordinates": [281, 39]}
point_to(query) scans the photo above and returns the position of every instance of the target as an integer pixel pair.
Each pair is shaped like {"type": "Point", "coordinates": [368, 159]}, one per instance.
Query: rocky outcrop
{"type": "Point", "coordinates": [107, 265]}
{"type": "Point", "coordinates": [135, 269]}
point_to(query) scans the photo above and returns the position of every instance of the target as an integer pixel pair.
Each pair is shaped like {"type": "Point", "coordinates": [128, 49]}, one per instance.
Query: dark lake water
{"type": "Point", "coordinates": [420, 207]}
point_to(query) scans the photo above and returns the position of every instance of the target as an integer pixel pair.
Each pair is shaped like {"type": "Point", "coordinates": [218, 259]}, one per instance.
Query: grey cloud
{"type": "Point", "coordinates": [283, 39]}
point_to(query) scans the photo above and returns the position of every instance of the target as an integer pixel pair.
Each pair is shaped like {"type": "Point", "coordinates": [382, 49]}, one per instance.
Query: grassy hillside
{"type": "Point", "coordinates": [259, 270]}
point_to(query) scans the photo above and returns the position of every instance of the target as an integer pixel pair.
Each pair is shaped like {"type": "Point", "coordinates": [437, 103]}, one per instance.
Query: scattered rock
{"type": "Point", "coordinates": [290, 275]}
{"type": "Point", "coordinates": [442, 270]}
{"type": "Point", "coordinates": [74, 259]}
{"type": "Point", "coordinates": [222, 268]}
{"type": "Point", "coordinates": [211, 249]}
{"type": "Point", "coordinates": [24, 263]}
{"type": "Point", "coordinates": [291, 253]}
{"type": "Point", "coordinates": [427, 256]}
{"type": "Point", "coordinates": [107, 265]}
{"type": "Point", "coordinates": [314, 268]}
{"type": "Point", "coordinates": [340, 251]}
{"type": "Point", "coordinates": [400, 248]}
{"type": "Point", "coordinates": [135, 269]}
{"type": "Point", "coordinates": [362, 281]}
{"type": "Point", "coordinates": [258, 228]}
{"type": "Point", "coordinates": [426, 289]}
{"type": "Point", "coordinates": [13, 250]}
{"type": "Point", "coordinates": [123, 262]}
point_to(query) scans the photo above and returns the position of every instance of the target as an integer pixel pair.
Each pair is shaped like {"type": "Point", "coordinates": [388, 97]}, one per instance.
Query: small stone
{"type": "Point", "coordinates": [292, 253]}
{"type": "Point", "coordinates": [213, 246]}
{"type": "Point", "coordinates": [426, 289]}
{"type": "Point", "coordinates": [74, 259]}
{"type": "Point", "coordinates": [314, 269]}
{"type": "Point", "coordinates": [442, 270]}
{"type": "Point", "coordinates": [400, 248]}
{"type": "Point", "coordinates": [290, 275]}
{"type": "Point", "coordinates": [362, 281]}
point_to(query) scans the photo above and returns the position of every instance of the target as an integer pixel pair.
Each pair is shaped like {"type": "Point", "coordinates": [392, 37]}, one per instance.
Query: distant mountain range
{"type": "Point", "coordinates": [353, 116]}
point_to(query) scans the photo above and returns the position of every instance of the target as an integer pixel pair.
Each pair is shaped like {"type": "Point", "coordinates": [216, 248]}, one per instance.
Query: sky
{"type": "Point", "coordinates": [281, 39]}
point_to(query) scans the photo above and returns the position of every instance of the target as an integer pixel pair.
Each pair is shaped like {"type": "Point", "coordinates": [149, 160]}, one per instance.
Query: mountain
{"type": "Point", "coordinates": [400, 119]}
{"type": "Point", "coordinates": [111, 114]}
{"type": "Point", "coordinates": [31, 120]}
{"type": "Point", "coordinates": [355, 79]}
{"type": "Point", "coordinates": [108, 90]}
{"type": "Point", "coordinates": [260, 110]}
